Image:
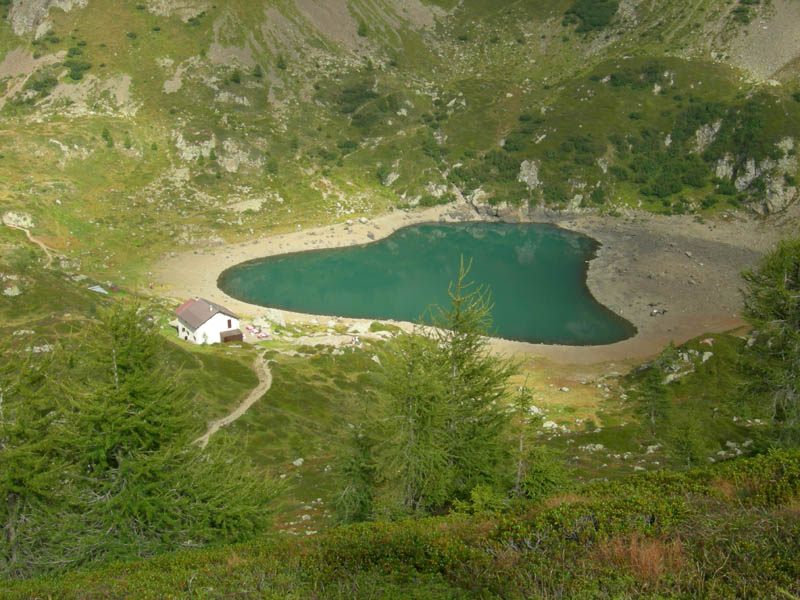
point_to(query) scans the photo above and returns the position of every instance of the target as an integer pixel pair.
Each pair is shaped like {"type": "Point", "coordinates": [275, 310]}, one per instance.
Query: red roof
{"type": "Point", "coordinates": [197, 311]}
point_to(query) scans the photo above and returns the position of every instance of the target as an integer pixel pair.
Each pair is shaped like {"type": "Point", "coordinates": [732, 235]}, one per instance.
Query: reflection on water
{"type": "Point", "coordinates": [536, 274]}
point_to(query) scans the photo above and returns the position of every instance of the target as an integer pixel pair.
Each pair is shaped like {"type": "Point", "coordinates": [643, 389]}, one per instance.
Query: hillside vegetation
{"type": "Point", "coordinates": [138, 128]}
{"type": "Point", "coordinates": [725, 532]}
{"type": "Point", "coordinates": [404, 466]}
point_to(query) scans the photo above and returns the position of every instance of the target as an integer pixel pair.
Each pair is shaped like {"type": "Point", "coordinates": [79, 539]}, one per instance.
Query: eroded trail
{"type": "Point", "coordinates": [261, 367]}
{"type": "Point", "coordinates": [36, 241]}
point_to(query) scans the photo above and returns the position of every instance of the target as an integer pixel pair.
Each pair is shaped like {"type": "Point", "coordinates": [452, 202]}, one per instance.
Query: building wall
{"type": "Point", "coordinates": [208, 332]}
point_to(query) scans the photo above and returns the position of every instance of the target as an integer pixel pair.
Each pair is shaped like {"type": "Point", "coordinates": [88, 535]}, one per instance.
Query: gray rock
{"type": "Point", "coordinates": [18, 219]}
{"type": "Point", "coordinates": [275, 316]}
{"type": "Point", "coordinates": [31, 15]}
{"type": "Point", "coordinates": [529, 174]}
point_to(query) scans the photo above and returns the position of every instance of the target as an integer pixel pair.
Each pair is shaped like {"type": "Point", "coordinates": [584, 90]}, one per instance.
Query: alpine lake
{"type": "Point", "coordinates": [536, 275]}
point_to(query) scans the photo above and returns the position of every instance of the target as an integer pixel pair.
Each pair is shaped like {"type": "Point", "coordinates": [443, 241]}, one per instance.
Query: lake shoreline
{"type": "Point", "coordinates": [684, 268]}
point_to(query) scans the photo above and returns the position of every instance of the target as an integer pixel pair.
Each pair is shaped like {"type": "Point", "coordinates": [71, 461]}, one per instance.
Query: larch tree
{"type": "Point", "coordinates": [772, 307]}
{"type": "Point", "coordinates": [438, 426]}
{"type": "Point", "coordinates": [111, 470]}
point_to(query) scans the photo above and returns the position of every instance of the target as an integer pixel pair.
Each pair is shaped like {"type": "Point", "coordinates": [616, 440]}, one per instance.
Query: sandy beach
{"type": "Point", "coordinates": [684, 268]}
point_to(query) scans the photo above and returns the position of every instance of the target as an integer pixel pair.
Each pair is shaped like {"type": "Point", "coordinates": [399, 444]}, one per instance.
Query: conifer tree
{"type": "Point", "coordinates": [438, 430]}
{"type": "Point", "coordinates": [35, 478]}
{"type": "Point", "coordinates": [107, 470]}
{"type": "Point", "coordinates": [772, 306]}
{"type": "Point", "coordinates": [537, 473]}
{"type": "Point", "coordinates": [476, 382]}
{"type": "Point", "coordinates": [651, 393]}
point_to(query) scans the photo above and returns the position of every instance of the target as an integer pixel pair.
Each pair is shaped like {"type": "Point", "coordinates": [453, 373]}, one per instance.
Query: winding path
{"type": "Point", "coordinates": [35, 241]}
{"type": "Point", "coordinates": [261, 368]}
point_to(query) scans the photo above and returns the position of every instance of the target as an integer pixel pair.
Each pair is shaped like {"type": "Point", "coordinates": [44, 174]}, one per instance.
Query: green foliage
{"type": "Point", "coordinates": [715, 532]}
{"type": "Point", "coordinates": [640, 78]}
{"type": "Point", "coordinates": [106, 135]}
{"type": "Point", "coordinates": [590, 14]}
{"type": "Point", "coordinates": [436, 427]}
{"type": "Point", "coordinates": [354, 96]}
{"type": "Point", "coordinates": [537, 473]}
{"type": "Point", "coordinates": [383, 172]}
{"type": "Point", "coordinates": [651, 394]}
{"type": "Point", "coordinates": [363, 31]}
{"type": "Point", "coordinates": [77, 68]}
{"type": "Point", "coordinates": [43, 82]}
{"type": "Point", "coordinates": [772, 306]}
{"type": "Point", "coordinates": [111, 473]}
{"type": "Point", "coordinates": [281, 62]}
{"type": "Point", "coordinates": [357, 472]}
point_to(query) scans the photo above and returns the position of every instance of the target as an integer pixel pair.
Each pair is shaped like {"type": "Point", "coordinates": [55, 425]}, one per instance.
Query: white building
{"type": "Point", "coordinates": [203, 322]}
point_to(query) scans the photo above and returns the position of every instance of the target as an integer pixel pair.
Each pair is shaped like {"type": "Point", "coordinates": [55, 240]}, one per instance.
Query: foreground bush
{"type": "Point", "coordinates": [723, 532]}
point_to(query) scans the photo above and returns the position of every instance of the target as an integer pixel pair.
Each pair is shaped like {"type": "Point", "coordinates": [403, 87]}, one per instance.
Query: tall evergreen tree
{"type": "Point", "coordinates": [476, 382]}
{"type": "Point", "coordinates": [537, 473]}
{"type": "Point", "coordinates": [129, 483]}
{"type": "Point", "coordinates": [417, 450]}
{"type": "Point", "coordinates": [35, 477]}
{"type": "Point", "coordinates": [772, 306]}
{"type": "Point", "coordinates": [439, 427]}
{"type": "Point", "coordinates": [651, 393]}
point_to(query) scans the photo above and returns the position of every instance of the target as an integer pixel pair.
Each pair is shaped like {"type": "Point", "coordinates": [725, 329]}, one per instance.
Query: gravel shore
{"type": "Point", "coordinates": [673, 277]}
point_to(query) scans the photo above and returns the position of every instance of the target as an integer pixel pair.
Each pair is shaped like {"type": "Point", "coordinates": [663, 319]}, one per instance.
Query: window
{"type": "Point", "coordinates": [229, 324]}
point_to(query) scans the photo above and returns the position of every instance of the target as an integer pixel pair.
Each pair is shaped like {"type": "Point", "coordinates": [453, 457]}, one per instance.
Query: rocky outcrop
{"type": "Point", "coordinates": [18, 219]}
{"type": "Point", "coordinates": [26, 16]}
{"type": "Point", "coordinates": [705, 136]}
{"type": "Point", "coordinates": [724, 167]}
{"type": "Point", "coordinates": [529, 174]}
{"type": "Point", "coordinates": [190, 152]}
{"type": "Point", "coordinates": [779, 196]}
{"type": "Point", "coordinates": [183, 9]}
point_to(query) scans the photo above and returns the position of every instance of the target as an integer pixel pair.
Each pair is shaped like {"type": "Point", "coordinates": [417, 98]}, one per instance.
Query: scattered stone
{"type": "Point", "coordinates": [563, 389]}
{"type": "Point", "coordinates": [707, 355]}
{"type": "Point", "coordinates": [298, 462]}
{"type": "Point", "coordinates": [592, 447]}
{"type": "Point", "coordinates": [12, 291]}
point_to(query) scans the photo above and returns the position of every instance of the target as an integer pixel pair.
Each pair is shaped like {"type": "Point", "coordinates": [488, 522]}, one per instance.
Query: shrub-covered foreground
{"type": "Point", "coordinates": [726, 531]}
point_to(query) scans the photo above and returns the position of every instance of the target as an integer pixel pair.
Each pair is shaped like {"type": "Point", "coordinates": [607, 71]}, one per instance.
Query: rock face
{"type": "Point", "coordinates": [706, 135]}
{"type": "Point", "coordinates": [529, 174]}
{"type": "Point", "coordinates": [184, 9]}
{"type": "Point", "coordinates": [31, 15]}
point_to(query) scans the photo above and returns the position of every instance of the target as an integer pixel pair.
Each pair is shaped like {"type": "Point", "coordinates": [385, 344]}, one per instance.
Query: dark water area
{"type": "Point", "coordinates": [536, 275]}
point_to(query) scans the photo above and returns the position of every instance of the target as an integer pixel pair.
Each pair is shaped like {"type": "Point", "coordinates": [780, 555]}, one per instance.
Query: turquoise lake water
{"type": "Point", "coordinates": [536, 274]}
